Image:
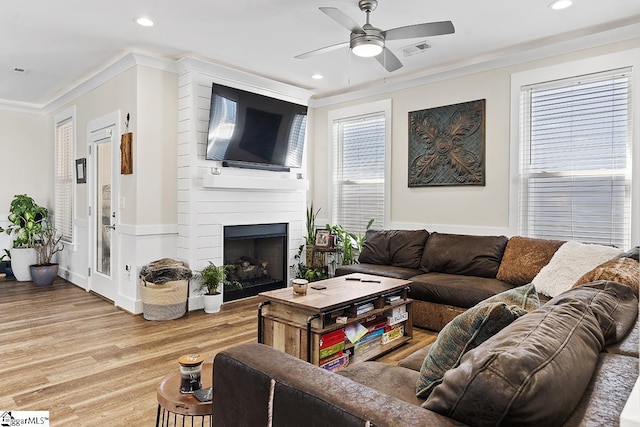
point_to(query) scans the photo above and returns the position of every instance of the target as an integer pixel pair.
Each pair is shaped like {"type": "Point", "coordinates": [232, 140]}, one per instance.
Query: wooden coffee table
{"type": "Point", "coordinates": [295, 324]}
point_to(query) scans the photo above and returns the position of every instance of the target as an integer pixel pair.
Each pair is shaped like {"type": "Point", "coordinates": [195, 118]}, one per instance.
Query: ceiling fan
{"type": "Point", "coordinates": [369, 41]}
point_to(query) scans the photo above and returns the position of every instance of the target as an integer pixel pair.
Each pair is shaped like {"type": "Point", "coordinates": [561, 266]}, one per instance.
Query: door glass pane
{"type": "Point", "coordinates": [103, 212]}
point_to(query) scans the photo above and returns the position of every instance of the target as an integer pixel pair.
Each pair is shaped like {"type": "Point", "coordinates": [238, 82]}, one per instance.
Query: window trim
{"type": "Point", "coordinates": [622, 59]}
{"type": "Point", "coordinates": [60, 118]}
{"type": "Point", "coordinates": [357, 110]}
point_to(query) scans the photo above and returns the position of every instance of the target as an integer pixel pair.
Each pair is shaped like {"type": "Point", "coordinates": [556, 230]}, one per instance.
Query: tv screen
{"type": "Point", "coordinates": [253, 129]}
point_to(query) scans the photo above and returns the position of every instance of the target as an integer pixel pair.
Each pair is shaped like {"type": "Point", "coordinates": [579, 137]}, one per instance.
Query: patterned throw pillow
{"type": "Point", "coordinates": [469, 330]}
{"type": "Point", "coordinates": [621, 270]}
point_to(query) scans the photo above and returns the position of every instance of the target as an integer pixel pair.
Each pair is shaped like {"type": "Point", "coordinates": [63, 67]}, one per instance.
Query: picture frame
{"type": "Point", "coordinates": [323, 238]}
{"type": "Point", "coordinates": [81, 171]}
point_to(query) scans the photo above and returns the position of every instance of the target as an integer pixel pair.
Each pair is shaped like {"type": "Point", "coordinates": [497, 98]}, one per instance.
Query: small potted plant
{"type": "Point", "coordinates": [25, 217]}
{"type": "Point", "coordinates": [47, 242]}
{"type": "Point", "coordinates": [211, 279]}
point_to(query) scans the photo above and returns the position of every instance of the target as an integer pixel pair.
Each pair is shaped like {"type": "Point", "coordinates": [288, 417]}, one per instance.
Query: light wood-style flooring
{"type": "Point", "coordinates": [88, 363]}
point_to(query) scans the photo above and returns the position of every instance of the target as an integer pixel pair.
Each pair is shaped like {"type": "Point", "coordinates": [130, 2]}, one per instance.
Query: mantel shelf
{"type": "Point", "coordinates": [252, 183]}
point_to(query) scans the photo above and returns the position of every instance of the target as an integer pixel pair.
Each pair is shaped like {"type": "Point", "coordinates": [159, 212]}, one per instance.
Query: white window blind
{"type": "Point", "coordinates": [358, 177]}
{"type": "Point", "coordinates": [64, 179]}
{"type": "Point", "coordinates": [575, 162]}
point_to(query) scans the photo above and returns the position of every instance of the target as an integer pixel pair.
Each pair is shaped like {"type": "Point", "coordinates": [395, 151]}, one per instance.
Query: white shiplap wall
{"type": "Point", "coordinates": [203, 210]}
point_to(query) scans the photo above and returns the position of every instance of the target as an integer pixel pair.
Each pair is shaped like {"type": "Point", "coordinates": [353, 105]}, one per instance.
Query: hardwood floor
{"type": "Point", "coordinates": [88, 363]}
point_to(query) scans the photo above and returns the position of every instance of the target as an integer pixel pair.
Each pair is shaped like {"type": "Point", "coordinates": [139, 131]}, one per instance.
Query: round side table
{"type": "Point", "coordinates": [175, 407]}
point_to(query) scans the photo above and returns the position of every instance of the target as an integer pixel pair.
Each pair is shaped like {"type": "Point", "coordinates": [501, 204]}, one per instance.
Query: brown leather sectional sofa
{"type": "Point", "coordinates": [451, 272]}
{"type": "Point", "coordinates": [571, 362]}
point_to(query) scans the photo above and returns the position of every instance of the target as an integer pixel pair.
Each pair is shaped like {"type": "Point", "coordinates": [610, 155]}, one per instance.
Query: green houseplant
{"type": "Point", "coordinates": [211, 279]}
{"type": "Point", "coordinates": [25, 217]}
{"type": "Point", "coordinates": [47, 242]}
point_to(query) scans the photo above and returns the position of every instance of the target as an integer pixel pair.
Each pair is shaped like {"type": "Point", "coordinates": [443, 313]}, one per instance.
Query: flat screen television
{"type": "Point", "coordinates": [255, 131]}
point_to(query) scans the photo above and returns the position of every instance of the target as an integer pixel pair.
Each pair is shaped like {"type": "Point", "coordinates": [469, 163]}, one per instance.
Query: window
{"type": "Point", "coordinates": [359, 155]}
{"type": "Point", "coordinates": [575, 159]}
{"type": "Point", "coordinates": [64, 173]}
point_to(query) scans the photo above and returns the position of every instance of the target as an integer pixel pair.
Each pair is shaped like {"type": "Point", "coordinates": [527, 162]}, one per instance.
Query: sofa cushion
{"type": "Point", "coordinates": [568, 264]}
{"type": "Point", "coordinates": [392, 380]}
{"type": "Point", "coordinates": [463, 254]}
{"type": "Point", "coordinates": [621, 270]}
{"type": "Point", "coordinates": [633, 253]}
{"type": "Point", "coordinates": [509, 378]}
{"type": "Point", "coordinates": [455, 289]}
{"type": "Point", "coordinates": [375, 249]}
{"type": "Point", "coordinates": [406, 247]}
{"type": "Point", "coordinates": [524, 257]}
{"type": "Point", "coordinates": [399, 248]}
{"type": "Point", "coordinates": [378, 270]}
{"type": "Point", "coordinates": [470, 329]}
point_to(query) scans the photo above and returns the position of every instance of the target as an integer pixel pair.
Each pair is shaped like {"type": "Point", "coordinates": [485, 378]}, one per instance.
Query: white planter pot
{"type": "Point", "coordinates": [212, 303]}
{"type": "Point", "coordinates": [21, 259]}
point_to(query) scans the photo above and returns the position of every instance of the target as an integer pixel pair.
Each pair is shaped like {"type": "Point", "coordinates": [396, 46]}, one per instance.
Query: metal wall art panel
{"type": "Point", "coordinates": [447, 145]}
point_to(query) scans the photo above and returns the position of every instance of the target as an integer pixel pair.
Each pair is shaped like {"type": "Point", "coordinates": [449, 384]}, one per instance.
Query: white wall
{"type": "Point", "coordinates": [26, 165]}
{"type": "Point", "coordinates": [475, 210]}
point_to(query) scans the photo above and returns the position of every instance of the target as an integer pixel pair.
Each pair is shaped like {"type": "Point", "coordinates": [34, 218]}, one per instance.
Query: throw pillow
{"type": "Point", "coordinates": [524, 297]}
{"type": "Point", "coordinates": [467, 331]}
{"type": "Point", "coordinates": [406, 247]}
{"type": "Point", "coordinates": [524, 257]}
{"type": "Point", "coordinates": [568, 264]}
{"type": "Point", "coordinates": [621, 270]}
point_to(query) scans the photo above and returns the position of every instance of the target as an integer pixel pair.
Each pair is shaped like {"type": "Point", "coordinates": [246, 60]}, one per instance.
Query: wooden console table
{"type": "Point", "coordinates": [295, 324]}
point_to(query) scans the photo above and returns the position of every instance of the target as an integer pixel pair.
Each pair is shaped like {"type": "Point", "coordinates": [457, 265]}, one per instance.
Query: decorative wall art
{"type": "Point", "coordinates": [447, 145]}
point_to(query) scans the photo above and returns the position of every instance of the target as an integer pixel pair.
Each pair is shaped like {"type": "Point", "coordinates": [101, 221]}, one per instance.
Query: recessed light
{"type": "Point", "coordinates": [317, 76]}
{"type": "Point", "coordinates": [144, 21]}
{"type": "Point", "coordinates": [560, 4]}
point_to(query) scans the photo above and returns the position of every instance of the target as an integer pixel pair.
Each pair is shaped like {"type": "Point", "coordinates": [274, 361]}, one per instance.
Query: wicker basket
{"type": "Point", "coordinates": [163, 298]}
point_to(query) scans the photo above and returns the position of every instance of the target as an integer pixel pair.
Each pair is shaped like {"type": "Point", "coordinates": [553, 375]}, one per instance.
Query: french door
{"type": "Point", "coordinates": [103, 161]}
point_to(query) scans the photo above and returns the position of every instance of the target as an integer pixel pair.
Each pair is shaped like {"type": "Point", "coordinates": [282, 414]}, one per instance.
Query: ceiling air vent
{"type": "Point", "coordinates": [417, 48]}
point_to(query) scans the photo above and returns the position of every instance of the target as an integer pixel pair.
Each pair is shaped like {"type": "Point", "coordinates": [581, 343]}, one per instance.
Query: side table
{"type": "Point", "coordinates": [174, 406]}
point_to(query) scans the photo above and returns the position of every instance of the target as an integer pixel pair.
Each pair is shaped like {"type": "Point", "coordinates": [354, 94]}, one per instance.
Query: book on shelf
{"type": "Point", "coordinates": [328, 351]}
{"type": "Point", "coordinates": [330, 358]}
{"type": "Point", "coordinates": [355, 331]}
{"type": "Point", "coordinates": [358, 309]}
{"type": "Point", "coordinates": [338, 363]}
{"type": "Point", "coordinates": [392, 298]}
{"type": "Point", "coordinates": [393, 320]}
{"type": "Point", "coordinates": [392, 334]}
{"type": "Point", "coordinates": [332, 338]}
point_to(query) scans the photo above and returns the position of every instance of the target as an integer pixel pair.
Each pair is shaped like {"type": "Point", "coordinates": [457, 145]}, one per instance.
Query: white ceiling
{"type": "Point", "coordinates": [63, 43]}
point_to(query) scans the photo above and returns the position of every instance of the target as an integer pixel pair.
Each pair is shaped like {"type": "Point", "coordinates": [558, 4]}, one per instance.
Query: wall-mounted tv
{"type": "Point", "coordinates": [255, 131]}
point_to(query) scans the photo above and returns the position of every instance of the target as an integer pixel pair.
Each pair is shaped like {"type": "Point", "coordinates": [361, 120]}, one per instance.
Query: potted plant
{"type": "Point", "coordinates": [301, 271]}
{"type": "Point", "coordinates": [212, 278]}
{"type": "Point", "coordinates": [26, 219]}
{"type": "Point", "coordinates": [47, 242]}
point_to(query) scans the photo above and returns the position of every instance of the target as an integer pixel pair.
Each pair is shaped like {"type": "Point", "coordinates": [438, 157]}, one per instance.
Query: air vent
{"type": "Point", "coordinates": [417, 48]}
{"type": "Point", "coordinates": [20, 70]}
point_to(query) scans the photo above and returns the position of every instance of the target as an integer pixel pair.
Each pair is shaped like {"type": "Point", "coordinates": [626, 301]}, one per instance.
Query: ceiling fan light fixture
{"type": "Point", "coordinates": [560, 4]}
{"type": "Point", "coordinates": [366, 46]}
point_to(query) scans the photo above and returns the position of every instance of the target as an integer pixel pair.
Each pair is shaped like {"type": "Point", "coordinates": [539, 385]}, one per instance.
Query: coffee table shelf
{"type": "Point", "coordinates": [295, 324]}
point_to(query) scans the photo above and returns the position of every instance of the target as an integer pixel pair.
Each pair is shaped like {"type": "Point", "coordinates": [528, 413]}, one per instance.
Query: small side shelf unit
{"type": "Point", "coordinates": [354, 318]}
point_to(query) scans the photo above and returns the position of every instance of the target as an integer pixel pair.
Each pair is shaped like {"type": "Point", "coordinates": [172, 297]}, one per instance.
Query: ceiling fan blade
{"type": "Point", "coordinates": [420, 30]}
{"type": "Point", "coordinates": [342, 19]}
{"type": "Point", "coordinates": [321, 50]}
{"type": "Point", "coordinates": [388, 60]}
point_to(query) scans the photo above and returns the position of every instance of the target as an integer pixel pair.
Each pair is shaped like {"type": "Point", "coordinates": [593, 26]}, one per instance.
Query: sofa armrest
{"type": "Point", "coordinates": [253, 382]}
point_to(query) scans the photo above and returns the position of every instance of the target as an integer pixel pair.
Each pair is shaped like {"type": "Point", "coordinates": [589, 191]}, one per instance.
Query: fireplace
{"type": "Point", "coordinates": [259, 254]}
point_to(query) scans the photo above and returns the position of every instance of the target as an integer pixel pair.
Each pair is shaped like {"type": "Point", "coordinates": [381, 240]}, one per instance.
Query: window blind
{"type": "Point", "coordinates": [63, 220]}
{"type": "Point", "coordinates": [575, 162]}
{"type": "Point", "coordinates": [358, 178]}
